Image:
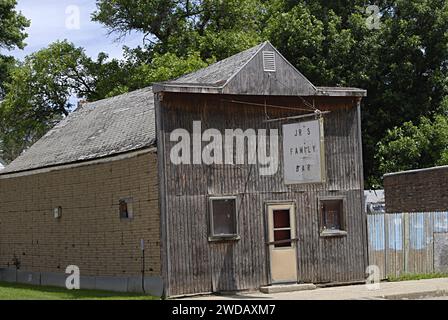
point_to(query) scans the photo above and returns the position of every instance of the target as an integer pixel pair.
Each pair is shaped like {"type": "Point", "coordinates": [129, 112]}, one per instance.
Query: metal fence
{"type": "Point", "coordinates": [414, 243]}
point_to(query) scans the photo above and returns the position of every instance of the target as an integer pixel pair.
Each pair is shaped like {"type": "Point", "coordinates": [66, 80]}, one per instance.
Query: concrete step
{"type": "Point", "coordinates": [287, 287]}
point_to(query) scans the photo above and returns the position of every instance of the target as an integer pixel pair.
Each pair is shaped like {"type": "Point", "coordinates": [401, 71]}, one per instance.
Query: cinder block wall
{"type": "Point", "coordinates": [417, 191]}
{"type": "Point", "coordinates": [90, 233]}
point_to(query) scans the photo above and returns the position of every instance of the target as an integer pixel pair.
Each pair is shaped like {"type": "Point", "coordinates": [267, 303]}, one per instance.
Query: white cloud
{"type": "Point", "coordinates": [48, 24]}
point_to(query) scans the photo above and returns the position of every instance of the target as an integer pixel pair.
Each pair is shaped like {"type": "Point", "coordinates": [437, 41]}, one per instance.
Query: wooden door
{"type": "Point", "coordinates": [282, 243]}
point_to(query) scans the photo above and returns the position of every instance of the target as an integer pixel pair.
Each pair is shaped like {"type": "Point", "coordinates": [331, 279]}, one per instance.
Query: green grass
{"type": "Point", "coordinates": [412, 276]}
{"type": "Point", "coordinates": [13, 291]}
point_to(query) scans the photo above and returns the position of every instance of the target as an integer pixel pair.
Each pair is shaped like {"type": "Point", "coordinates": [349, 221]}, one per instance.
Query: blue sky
{"type": "Point", "coordinates": [48, 24]}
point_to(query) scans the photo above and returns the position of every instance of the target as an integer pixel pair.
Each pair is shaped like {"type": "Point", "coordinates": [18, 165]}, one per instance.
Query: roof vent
{"type": "Point", "coordinates": [269, 61]}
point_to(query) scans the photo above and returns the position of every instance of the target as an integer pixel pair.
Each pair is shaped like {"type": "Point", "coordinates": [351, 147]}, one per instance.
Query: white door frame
{"type": "Point", "coordinates": [282, 261]}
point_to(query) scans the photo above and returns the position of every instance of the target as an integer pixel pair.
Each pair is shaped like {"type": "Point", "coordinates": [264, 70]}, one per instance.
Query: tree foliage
{"type": "Point", "coordinates": [41, 89]}
{"type": "Point", "coordinates": [38, 94]}
{"type": "Point", "coordinates": [12, 26]}
{"type": "Point", "coordinates": [414, 146]}
{"type": "Point", "coordinates": [12, 35]}
{"type": "Point", "coordinates": [6, 65]}
{"type": "Point", "coordinates": [214, 28]}
{"type": "Point", "coordinates": [403, 64]}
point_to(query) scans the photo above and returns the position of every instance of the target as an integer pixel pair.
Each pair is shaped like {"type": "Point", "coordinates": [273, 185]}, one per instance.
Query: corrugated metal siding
{"type": "Point", "coordinates": [394, 244]}
{"type": "Point", "coordinates": [404, 242]}
{"type": "Point", "coordinates": [420, 250]}
{"type": "Point", "coordinates": [377, 241]}
{"type": "Point", "coordinates": [197, 265]}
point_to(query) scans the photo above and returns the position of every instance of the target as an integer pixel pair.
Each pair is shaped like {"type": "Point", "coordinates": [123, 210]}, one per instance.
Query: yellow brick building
{"type": "Point", "coordinates": [101, 186]}
{"type": "Point", "coordinates": [60, 201]}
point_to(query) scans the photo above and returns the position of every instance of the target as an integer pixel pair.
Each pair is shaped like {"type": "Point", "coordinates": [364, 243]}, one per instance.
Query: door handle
{"type": "Point", "coordinates": [281, 241]}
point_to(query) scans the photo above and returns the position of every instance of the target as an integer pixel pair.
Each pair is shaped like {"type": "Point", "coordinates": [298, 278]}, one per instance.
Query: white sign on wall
{"type": "Point", "coordinates": [303, 152]}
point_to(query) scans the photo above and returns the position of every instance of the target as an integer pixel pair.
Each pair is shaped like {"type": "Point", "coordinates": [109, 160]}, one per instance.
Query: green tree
{"type": "Point", "coordinates": [106, 77]}
{"type": "Point", "coordinates": [12, 26]}
{"type": "Point", "coordinates": [42, 89]}
{"type": "Point", "coordinates": [12, 35]}
{"type": "Point", "coordinates": [113, 77]}
{"type": "Point", "coordinates": [38, 94]}
{"type": "Point", "coordinates": [214, 28]}
{"type": "Point", "coordinates": [6, 65]}
{"type": "Point", "coordinates": [414, 146]}
{"type": "Point", "coordinates": [410, 79]}
{"type": "Point", "coordinates": [403, 64]}
{"type": "Point", "coordinates": [164, 67]}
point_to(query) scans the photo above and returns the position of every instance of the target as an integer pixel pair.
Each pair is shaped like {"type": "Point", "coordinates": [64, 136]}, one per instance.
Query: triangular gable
{"type": "Point", "coordinates": [260, 70]}
{"type": "Point", "coordinates": [269, 73]}
{"type": "Point", "coordinates": [219, 73]}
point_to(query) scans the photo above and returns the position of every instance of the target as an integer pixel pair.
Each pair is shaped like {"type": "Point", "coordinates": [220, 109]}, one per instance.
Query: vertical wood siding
{"type": "Point", "coordinates": [197, 265]}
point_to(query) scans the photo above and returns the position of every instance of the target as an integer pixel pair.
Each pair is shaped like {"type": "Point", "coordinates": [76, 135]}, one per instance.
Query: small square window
{"type": "Point", "coordinates": [125, 208]}
{"type": "Point", "coordinates": [223, 222]}
{"type": "Point", "coordinates": [332, 217]}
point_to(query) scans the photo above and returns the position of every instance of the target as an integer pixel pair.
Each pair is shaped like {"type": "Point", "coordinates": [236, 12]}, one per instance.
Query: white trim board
{"type": "Point", "coordinates": [118, 157]}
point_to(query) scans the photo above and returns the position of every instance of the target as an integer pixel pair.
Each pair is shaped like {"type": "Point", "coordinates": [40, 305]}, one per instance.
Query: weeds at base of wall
{"type": "Point", "coordinates": [16, 291]}
{"type": "Point", "coordinates": [412, 276]}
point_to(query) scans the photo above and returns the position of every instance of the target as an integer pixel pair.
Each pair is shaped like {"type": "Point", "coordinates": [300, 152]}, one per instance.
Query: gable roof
{"type": "Point", "coordinates": [220, 72]}
{"type": "Point", "coordinates": [127, 122]}
{"type": "Point", "coordinates": [95, 130]}
{"type": "Point", "coordinates": [245, 73]}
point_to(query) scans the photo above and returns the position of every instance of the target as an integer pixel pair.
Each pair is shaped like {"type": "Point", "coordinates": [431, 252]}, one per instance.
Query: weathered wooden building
{"type": "Point", "coordinates": [236, 224]}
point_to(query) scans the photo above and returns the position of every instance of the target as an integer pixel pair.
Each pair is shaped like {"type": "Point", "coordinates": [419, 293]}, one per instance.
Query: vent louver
{"type": "Point", "coordinates": [269, 61]}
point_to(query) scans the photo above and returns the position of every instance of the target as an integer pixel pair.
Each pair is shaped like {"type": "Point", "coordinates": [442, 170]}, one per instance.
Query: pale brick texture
{"type": "Point", "coordinates": [90, 233]}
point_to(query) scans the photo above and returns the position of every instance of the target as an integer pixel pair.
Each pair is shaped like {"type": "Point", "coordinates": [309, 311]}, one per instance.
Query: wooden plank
{"type": "Point", "coordinates": [406, 246]}
{"type": "Point", "coordinates": [244, 264]}
{"type": "Point", "coordinates": [164, 242]}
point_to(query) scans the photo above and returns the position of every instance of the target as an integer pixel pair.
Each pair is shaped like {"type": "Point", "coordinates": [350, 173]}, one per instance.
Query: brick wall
{"type": "Point", "coordinates": [90, 233]}
{"type": "Point", "coordinates": [417, 191]}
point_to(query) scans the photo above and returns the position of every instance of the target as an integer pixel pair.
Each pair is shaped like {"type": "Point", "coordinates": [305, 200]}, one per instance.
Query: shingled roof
{"type": "Point", "coordinates": [95, 130]}
{"type": "Point", "coordinates": [220, 72]}
{"type": "Point", "coordinates": [127, 123]}
{"type": "Point", "coordinates": [260, 70]}
{"type": "Point", "coordinates": [245, 73]}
